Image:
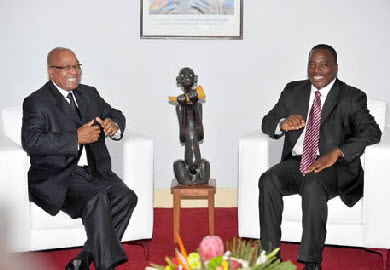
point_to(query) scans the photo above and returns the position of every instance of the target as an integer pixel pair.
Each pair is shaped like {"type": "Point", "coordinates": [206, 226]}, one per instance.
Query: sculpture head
{"type": "Point", "coordinates": [186, 79]}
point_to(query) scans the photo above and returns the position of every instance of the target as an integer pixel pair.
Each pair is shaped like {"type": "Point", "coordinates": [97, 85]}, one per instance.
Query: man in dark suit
{"type": "Point", "coordinates": [64, 128]}
{"type": "Point", "coordinates": [327, 126]}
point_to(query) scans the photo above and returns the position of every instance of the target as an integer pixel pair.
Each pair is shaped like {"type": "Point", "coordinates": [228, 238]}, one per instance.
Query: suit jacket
{"type": "Point", "coordinates": [49, 136]}
{"type": "Point", "coordinates": [345, 123]}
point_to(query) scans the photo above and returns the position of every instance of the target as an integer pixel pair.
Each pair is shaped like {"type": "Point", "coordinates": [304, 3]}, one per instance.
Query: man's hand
{"type": "Point", "coordinates": [292, 122]}
{"type": "Point", "coordinates": [326, 161]}
{"type": "Point", "coordinates": [182, 99]}
{"type": "Point", "coordinates": [109, 126]}
{"type": "Point", "coordinates": [88, 133]}
{"type": "Point", "coordinates": [193, 96]}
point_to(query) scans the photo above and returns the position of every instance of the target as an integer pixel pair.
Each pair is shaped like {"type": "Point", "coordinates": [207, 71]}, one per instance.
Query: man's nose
{"type": "Point", "coordinates": [317, 68]}
{"type": "Point", "coordinates": [73, 70]}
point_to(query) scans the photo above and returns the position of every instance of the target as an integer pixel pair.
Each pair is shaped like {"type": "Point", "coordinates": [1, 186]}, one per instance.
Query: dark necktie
{"type": "Point", "coordinates": [73, 104]}
{"type": "Point", "coordinates": [312, 135]}
{"type": "Point", "coordinates": [74, 107]}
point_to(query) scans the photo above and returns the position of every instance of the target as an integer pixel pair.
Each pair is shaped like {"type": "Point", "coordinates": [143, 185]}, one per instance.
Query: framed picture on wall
{"type": "Point", "coordinates": [191, 19]}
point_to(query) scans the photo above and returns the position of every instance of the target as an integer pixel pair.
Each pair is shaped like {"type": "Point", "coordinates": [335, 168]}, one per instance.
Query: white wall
{"type": "Point", "coordinates": [242, 79]}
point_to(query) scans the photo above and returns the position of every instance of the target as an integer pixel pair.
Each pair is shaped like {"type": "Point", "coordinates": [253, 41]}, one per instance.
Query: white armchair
{"type": "Point", "coordinates": [364, 225]}
{"type": "Point", "coordinates": [30, 228]}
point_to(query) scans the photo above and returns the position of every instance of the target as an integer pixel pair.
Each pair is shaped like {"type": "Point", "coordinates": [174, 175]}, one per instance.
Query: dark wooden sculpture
{"type": "Point", "coordinates": [193, 170]}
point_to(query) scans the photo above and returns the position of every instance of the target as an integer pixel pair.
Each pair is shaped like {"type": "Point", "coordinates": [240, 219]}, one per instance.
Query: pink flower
{"type": "Point", "coordinates": [211, 247]}
{"type": "Point", "coordinates": [235, 265]}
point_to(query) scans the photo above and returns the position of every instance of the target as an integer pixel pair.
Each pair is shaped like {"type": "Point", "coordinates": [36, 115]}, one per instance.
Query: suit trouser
{"type": "Point", "coordinates": [105, 206]}
{"type": "Point", "coordinates": [316, 189]}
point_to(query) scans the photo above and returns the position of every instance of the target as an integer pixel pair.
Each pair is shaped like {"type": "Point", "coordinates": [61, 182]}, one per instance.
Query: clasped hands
{"type": "Point", "coordinates": [192, 96]}
{"type": "Point", "coordinates": [89, 133]}
{"type": "Point", "coordinates": [296, 122]}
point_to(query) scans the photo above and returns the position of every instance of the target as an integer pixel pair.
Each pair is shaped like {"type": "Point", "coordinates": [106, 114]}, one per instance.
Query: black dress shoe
{"type": "Point", "coordinates": [76, 264]}
{"type": "Point", "coordinates": [312, 266]}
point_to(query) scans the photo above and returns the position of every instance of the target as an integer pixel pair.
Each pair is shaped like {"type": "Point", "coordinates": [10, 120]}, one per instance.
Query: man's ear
{"type": "Point", "coordinates": [50, 72]}
{"type": "Point", "coordinates": [178, 81]}
{"type": "Point", "coordinates": [195, 79]}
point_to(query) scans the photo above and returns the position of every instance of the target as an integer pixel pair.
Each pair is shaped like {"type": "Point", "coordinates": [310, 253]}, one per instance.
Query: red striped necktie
{"type": "Point", "coordinates": [312, 135]}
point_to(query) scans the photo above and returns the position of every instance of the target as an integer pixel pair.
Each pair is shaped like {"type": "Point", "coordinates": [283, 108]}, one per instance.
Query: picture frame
{"type": "Point", "coordinates": [191, 19]}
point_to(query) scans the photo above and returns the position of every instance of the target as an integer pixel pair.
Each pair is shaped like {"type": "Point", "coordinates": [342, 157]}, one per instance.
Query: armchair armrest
{"type": "Point", "coordinates": [138, 175]}
{"type": "Point", "coordinates": [376, 200]}
{"type": "Point", "coordinates": [14, 202]}
{"type": "Point", "coordinates": [254, 159]}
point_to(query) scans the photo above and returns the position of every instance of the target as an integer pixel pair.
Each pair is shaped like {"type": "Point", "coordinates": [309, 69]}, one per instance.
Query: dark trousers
{"type": "Point", "coordinates": [105, 206]}
{"type": "Point", "coordinates": [316, 189]}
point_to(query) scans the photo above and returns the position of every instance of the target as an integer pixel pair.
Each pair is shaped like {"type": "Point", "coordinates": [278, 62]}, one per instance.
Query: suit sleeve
{"type": "Point", "coordinates": [365, 130]}
{"type": "Point", "coordinates": [114, 114]}
{"type": "Point", "coordinates": [272, 119]}
{"type": "Point", "coordinates": [37, 139]}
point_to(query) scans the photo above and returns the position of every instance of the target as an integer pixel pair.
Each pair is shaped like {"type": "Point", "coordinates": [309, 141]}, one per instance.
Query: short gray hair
{"type": "Point", "coordinates": [56, 49]}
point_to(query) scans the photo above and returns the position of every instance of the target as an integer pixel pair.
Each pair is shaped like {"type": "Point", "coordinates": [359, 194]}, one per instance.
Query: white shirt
{"type": "Point", "coordinates": [83, 161]}
{"type": "Point", "coordinates": [298, 148]}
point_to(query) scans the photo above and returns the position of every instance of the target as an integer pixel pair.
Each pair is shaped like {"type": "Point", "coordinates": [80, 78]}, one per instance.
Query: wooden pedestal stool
{"type": "Point", "coordinates": [192, 192]}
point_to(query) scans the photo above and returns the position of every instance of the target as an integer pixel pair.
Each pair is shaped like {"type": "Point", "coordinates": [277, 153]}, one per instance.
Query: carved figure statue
{"type": "Point", "coordinates": [193, 170]}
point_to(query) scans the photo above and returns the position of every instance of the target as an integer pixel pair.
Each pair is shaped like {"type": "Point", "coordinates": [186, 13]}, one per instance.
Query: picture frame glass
{"type": "Point", "coordinates": [191, 19]}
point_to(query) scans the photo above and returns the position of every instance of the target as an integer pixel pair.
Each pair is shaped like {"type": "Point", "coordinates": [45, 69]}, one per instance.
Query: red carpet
{"type": "Point", "coordinates": [194, 225]}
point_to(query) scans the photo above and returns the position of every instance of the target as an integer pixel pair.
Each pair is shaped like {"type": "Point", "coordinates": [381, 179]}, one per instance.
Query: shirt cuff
{"type": "Point", "coordinates": [118, 133]}
{"type": "Point", "coordinates": [277, 130]}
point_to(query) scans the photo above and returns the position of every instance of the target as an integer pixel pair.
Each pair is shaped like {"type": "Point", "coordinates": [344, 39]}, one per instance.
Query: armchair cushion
{"type": "Point", "coordinates": [338, 212]}
{"type": "Point", "coordinates": [12, 123]}
{"type": "Point", "coordinates": [40, 220]}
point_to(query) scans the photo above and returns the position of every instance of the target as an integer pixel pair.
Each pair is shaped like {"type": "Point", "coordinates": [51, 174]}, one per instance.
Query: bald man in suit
{"type": "Point", "coordinates": [65, 125]}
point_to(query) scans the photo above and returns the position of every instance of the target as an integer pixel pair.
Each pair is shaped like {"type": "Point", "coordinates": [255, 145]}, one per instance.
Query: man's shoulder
{"type": "Point", "coordinates": [86, 90]}
{"type": "Point", "coordinates": [294, 87]}
{"type": "Point", "coordinates": [42, 94]}
{"type": "Point", "coordinates": [348, 90]}
{"type": "Point", "coordinates": [297, 84]}
{"type": "Point", "coordinates": [84, 87]}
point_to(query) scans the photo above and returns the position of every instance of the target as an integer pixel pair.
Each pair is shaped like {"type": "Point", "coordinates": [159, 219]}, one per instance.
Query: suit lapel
{"type": "Point", "coordinates": [304, 96]}
{"type": "Point", "coordinates": [331, 101]}
{"type": "Point", "coordinates": [63, 105]}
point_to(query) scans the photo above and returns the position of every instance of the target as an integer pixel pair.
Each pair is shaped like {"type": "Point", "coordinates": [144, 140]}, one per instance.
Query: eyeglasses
{"type": "Point", "coordinates": [68, 67]}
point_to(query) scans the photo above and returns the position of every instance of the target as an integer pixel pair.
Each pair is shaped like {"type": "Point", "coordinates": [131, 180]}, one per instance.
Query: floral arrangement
{"type": "Point", "coordinates": [240, 255]}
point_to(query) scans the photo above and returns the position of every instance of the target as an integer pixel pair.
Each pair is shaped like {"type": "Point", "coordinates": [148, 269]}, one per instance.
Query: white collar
{"type": "Point", "coordinates": [325, 90]}
{"type": "Point", "coordinates": [64, 92]}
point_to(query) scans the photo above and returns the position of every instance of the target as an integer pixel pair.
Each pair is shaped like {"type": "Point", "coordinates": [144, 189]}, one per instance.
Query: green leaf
{"type": "Point", "coordinates": [273, 253]}
{"type": "Point", "coordinates": [234, 253]}
{"type": "Point", "coordinates": [170, 263]}
{"type": "Point", "coordinates": [214, 263]}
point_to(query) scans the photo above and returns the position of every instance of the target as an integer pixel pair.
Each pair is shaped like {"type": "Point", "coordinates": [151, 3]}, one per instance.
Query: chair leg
{"type": "Point", "coordinates": [144, 244]}
{"type": "Point", "coordinates": [384, 254]}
